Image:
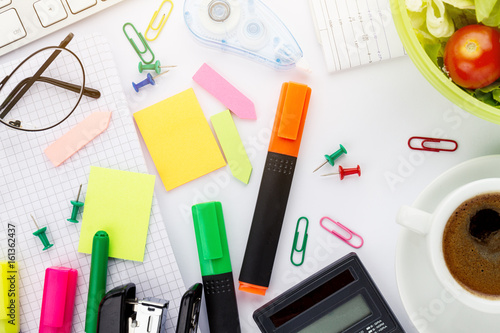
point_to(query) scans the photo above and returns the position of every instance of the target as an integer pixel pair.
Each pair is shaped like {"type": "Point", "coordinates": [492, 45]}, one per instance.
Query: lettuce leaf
{"type": "Point", "coordinates": [417, 20]}
{"type": "Point", "coordinates": [416, 5]}
{"type": "Point", "coordinates": [491, 98]}
{"type": "Point", "coordinates": [461, 4]}
{"type": "Point", "coordinates": [496, 95]}
{"type": "Point", "coordinates": [461, 17]}
{"type": "Point", "coordinates": [491, 87]}
{"type": "Point", "coordinates": [488, 12]}
{"type": "Point", "coordinates": [439, 22]}
{"type": "Point", "coordinates": [485, 97]}
{"type": "Point", "coordinates": [434, 51]}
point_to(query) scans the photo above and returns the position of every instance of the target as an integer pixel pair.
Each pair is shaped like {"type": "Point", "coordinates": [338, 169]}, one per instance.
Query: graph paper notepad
{"type": "Point", "coordinates": [355, 32]}
{"type": "Point", "coordinates": [30, 184]}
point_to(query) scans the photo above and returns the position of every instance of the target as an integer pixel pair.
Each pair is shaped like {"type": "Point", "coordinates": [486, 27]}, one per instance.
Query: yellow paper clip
{"type": "Point", "coordinates": [9, 297]}
{"type": "Point", "coordinates": [162, 22]}
{"type": "Point", "coordinates": [143, 42]}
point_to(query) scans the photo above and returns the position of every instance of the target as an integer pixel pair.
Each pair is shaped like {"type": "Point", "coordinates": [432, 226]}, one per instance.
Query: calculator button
{"type": "Point", "coordinates": [11, 27]}
{"type": "Point", "coordinates": [77, 6]}
{"type": "Point", "coordinates": [50, 11]}
{"type": "Point", "coordinates": [4, 3]}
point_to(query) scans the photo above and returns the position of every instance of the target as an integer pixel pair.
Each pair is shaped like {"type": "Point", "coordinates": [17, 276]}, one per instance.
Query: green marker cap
{"type": "Point", "coordinates": [211, 238]}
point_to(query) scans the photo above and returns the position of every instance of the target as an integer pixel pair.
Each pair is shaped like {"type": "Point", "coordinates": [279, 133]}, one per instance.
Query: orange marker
{"type": "Point", "coordinates": [275, 187]}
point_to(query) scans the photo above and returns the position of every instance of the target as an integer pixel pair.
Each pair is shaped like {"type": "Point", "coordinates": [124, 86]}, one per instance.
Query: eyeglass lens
{"type": "Point", "coordinates": [51, 97]}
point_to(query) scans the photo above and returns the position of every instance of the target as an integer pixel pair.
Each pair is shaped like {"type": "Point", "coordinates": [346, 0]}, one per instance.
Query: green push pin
{"type": "Point", "coordinates": [40, 233]}
{"type": "Point", "coordinates": [152, 67]}
{"type": "Point", "coordinates": [331, 158]}
{"type": "Point", "coordinates": [76, 207]}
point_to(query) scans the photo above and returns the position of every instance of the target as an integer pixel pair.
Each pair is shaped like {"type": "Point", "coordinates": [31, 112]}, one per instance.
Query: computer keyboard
{"type": "Point", "coordinates": [23, 21]}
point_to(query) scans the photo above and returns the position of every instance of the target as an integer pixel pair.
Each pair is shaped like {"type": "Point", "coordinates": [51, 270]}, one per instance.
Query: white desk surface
{"type": "Point", "coordinates": [371, 110]}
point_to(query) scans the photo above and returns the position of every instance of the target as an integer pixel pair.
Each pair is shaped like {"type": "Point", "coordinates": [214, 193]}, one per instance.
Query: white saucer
{"type": "Point", "coordinates": [431, 308]}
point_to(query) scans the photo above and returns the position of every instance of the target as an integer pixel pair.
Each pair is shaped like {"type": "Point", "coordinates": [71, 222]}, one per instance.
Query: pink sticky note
{"type": "Point", "coordinates": [77, 137]}
{"type": "Point", "coordinates": [221, 89]}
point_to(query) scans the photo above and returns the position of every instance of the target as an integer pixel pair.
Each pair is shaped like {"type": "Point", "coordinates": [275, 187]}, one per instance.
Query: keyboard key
{"type": "Point", "coordinates": [11, 27]}
{"type": "Point", "coordinates": [50, 11]}
{"type": "Point", "coordinates": [4, 3]}
{"type": "Point", "coordinates": [77, 6]}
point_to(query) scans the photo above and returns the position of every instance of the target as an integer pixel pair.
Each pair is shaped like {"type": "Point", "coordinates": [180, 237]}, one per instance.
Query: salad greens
{"type": "Point", "coordinates": [434, 21]}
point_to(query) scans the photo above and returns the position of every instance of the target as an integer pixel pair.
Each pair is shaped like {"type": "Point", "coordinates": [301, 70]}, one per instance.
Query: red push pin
{"type": "Point", "coordinates": [346, 172]}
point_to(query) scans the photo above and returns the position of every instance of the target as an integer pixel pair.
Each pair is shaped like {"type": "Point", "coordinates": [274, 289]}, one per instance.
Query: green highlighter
{"type": "Point", "coordinates": [97, 283]}
{"type": "Point", "coordinates": [215, 265]}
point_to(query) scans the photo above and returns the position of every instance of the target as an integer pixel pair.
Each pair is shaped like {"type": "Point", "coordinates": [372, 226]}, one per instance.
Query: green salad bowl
{"type": "Point", "coordinates": [432, 73]}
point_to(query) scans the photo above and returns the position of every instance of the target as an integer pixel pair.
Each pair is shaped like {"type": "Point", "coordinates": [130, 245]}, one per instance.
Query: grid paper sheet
{"type": "Point", "coordinates": [355, 32]}
{"type": "Point", "coordinates": [30, 184]}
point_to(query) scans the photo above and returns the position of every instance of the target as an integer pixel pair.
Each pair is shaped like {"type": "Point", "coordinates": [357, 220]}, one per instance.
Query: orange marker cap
{"type": "Point", "coordinates": [290, 118]}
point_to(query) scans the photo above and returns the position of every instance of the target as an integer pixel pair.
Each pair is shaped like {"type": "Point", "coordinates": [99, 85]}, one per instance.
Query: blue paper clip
{"type": "Point", "coordinates": [143, 41]}
{"type": "Point", "coordinates": [162, 22]}
{"type": "Point", "coordinates": [304, 242]}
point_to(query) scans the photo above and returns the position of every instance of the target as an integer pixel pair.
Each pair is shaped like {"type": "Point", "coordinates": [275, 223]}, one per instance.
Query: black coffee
{"type": "Point", "coordinates": [471, 245]}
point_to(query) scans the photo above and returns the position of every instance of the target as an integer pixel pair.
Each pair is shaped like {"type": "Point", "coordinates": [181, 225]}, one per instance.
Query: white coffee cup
{"type": "Point", "coordinates": [432, 225]}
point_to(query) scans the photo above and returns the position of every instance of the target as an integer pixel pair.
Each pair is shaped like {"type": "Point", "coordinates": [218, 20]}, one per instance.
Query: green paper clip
{"type": "Point", "coordinates": [304, 242]}
{"type": "Point", "coordinates": [143, 41]}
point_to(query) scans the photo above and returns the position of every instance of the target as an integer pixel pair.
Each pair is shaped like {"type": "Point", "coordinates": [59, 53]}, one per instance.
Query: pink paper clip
{"type": "Point", "coordinates": [425, 147]}
{"type": "Point", "coordinates": [349, 232]}
{"type": "Point", "coordinates": [59, 293]}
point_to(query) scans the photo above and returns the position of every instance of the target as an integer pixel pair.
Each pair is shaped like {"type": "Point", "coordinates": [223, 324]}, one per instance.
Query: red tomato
{"type": "Point", "coordinates": [472, 56]}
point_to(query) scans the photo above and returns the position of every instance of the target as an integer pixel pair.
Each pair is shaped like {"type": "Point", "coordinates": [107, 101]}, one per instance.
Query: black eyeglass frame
{"type": "Point", "coordinates": [82, 88]}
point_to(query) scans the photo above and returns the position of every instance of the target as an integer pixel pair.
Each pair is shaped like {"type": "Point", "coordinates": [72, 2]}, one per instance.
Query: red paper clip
{"type": "Point", "coordinates": [349, 232]}
{"type": "Point", "coordinates": [425, 140]}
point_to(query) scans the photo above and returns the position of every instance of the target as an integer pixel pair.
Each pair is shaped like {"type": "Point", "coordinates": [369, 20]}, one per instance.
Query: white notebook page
{"type": "Point", "coordinates": [30, 184]}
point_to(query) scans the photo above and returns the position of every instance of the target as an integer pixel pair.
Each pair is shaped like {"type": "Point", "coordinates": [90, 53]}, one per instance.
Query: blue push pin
{"type": "Point", "coordinates": [148, 80]}
{"type": "Point", "coordinates": [331, 158]}
{"type": "Point", "coordinates": [40, 233]}
{"type": "Point", "coordinates": [76, 207]}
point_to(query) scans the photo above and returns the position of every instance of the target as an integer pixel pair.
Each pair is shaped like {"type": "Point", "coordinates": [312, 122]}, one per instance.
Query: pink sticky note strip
{"type": "Point", "coordinates": [77, 137]}
{"type": "Point", "coordinates": [221, 89]}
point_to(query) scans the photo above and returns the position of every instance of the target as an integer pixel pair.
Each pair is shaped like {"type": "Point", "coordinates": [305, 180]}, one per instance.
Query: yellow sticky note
{"type": "Point", "coordinates": [118, 202]}
{"type": "Point", "coordinates": [179, 139]}
{"type": "Point", "coordinates": [231, 144]}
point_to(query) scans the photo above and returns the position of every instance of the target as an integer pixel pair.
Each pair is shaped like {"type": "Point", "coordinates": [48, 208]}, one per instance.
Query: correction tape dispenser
{"type": "Point", "coordinates": [244, 27]}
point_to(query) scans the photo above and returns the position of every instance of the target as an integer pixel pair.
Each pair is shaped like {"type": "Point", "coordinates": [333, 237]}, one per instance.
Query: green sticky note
{"type": "Point", "coordinates": [118, 202]}
{"type": "Point", "coordinates": [232, 146]}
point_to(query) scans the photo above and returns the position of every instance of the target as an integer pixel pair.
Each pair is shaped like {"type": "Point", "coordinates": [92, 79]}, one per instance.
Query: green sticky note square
{"type": "Point", "coordinates": [118, 202]}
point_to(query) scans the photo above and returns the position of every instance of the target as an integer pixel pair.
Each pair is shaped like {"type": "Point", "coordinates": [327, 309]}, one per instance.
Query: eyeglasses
{"type": "Point", "coordinates": [44, 89]}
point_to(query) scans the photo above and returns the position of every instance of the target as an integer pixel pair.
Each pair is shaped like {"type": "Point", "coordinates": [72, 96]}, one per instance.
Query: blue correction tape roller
{"type": "Point", "coordinates": [244, 27]}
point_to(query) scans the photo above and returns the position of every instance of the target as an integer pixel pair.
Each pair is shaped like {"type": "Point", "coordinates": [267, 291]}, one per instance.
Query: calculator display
{"type": "Point", "coordinates": [342, 317]}
{"type": "Point", "coordinates": [312, 298]}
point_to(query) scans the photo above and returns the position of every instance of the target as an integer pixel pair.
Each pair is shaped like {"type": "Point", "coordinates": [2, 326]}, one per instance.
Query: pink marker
{"type": "Point", "coordinates": [59, 293]}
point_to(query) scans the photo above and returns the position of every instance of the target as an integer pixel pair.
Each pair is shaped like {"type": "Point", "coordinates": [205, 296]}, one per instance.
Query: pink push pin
{"type": "Point", "coordinates": [346, 172]}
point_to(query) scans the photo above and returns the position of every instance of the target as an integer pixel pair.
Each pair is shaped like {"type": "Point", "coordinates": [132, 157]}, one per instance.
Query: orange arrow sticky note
{"type": "Point", "coordinates": [77, 137]}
